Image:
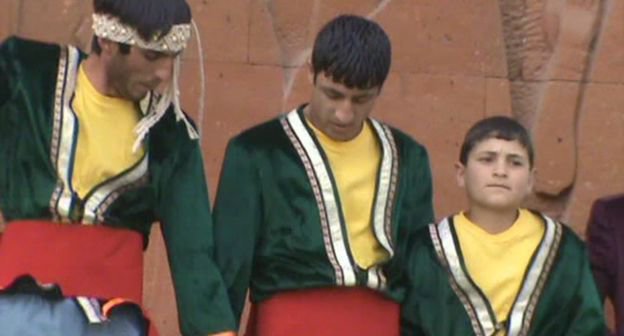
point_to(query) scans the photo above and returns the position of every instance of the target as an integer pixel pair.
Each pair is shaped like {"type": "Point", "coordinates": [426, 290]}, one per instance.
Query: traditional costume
{"type": "Point", "coordinates": [90, 243]}
{"type": "Point", "coordinates": [281, 229]}
{"type": "Point", "coordinates": [556, 296]}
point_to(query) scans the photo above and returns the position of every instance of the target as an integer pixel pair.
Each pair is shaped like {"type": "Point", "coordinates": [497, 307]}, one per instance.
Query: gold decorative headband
{"type": "Point", "coordinates": [109, 27]}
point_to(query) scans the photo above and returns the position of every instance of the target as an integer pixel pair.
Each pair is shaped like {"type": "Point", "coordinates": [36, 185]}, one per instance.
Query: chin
{"type": "Point", "coordinates": [137, 96]}
{"type": "Point", "coordinates": [503, 206]}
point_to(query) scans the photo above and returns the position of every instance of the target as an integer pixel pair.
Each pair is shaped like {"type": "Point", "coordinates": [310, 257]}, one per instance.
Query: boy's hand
{"type": "Point", "coordinates": [225, 333]}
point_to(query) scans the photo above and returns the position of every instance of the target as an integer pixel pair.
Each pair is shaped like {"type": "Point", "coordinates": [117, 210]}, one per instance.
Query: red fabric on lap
{"type": "Point", "coordinates": [325, 311]}
{"type": "Point", "coordinates": [94, 261]}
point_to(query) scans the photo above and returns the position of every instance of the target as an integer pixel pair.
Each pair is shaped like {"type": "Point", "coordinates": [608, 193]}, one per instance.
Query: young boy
{"type": "Point", "coordinates": [497, 268]}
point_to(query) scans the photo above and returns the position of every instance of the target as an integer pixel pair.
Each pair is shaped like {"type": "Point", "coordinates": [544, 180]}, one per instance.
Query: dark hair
{"type": "Point", "coordinates": [353, 51]}
{"type": "Point", "coordinates": [151, 18]}
{"type": "Point", "coordinates": [498, 127]}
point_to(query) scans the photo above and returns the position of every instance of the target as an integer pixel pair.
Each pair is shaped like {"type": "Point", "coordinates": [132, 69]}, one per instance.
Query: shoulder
{"type": "Point", "coordinates": [611, 203]}
{"type": "Point", "coordinates": [28, 51]}
{"type": "Point", "coordinates": [405, 143]}
{"type": "Point", "coordinates": [570, 242]}
{"type": "Point", "coordinates": [267, 134]}
{"type": "Point", "coordinates": [169, 136]}
{"type": "Point", "coordinates": [432, 235]}
{"type": "Point", "coordinates": [38, 61]}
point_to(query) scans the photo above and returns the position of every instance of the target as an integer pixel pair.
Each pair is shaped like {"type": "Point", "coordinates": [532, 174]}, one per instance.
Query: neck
{"type": "Point", "coordinates": [96, 72]}
{"type": "Point", "coordinates": [493, 222]}
{"type": "Point", "coordinates": [306, 112]}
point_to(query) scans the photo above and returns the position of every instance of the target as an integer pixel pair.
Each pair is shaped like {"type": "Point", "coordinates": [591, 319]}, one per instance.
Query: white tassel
{"type": "Point", "coordinates": [202, 79]}
{"type": "Point", "coordinates": [172, 95]}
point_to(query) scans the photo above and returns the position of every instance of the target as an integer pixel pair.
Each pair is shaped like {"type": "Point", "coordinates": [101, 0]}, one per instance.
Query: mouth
{"type": "Point", "coordinates": [340, 126]}
{"type": "Point", "coordinates": [498, 186]}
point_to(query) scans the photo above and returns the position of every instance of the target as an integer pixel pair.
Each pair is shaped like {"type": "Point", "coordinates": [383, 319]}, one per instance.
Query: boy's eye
{"type": "Point", "coordinates": [333, 95]}
{"type": "Point", "coordinates": [362, 100]}
{"type": "Point", "coordinates": [517, 163]}
{"type": "Point", "coordinates": [485, 159]}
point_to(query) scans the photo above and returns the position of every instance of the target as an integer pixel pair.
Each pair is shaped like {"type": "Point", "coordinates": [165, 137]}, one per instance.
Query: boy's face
{"type": "Point", "coordinates": [133, 75]}
{"type": "Point", "coordinates": [339, 111]}
{"type": "Point", "coordinates": [497, 175]}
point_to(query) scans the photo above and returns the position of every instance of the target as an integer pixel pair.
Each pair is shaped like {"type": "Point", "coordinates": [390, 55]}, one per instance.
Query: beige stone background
{"type": "Point", "coordinates": [555, 65]}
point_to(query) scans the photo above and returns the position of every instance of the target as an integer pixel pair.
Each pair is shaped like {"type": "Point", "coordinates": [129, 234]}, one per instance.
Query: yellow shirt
{"type": "Point", "coordinates": [354, 164]}
{"type": "Point", "coordinates": [105, 136]}
{"type": "Point", "coordinates": [497, 262]}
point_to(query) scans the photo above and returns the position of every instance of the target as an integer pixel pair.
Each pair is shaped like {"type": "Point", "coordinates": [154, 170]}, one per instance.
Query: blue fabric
{"type": "Point", "coordinates": [33, 315]}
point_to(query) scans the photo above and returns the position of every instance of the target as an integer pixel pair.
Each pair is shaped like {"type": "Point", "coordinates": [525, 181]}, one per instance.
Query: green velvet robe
{"type": "Point", "coordinates": [38, 134]}
{"type": "Point", "coordinates": [557, 297]}
{"type": "Point", "coordinates": [278, 219]}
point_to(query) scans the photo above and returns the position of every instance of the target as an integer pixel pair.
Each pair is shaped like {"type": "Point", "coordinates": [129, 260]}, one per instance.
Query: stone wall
{"type": "Point", "coordinates": [555, 65]}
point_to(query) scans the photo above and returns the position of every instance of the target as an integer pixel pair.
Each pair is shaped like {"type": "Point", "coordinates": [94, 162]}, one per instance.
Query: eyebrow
{"type": "Point", "coordinates": [331, 90]}
{"type": "Point", "coordinates": [161, 54]}
{"type": "Point", "coordinates": [513, 155]}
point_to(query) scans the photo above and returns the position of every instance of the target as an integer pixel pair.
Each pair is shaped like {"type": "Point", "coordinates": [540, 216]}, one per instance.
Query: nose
{"type": "Point", "coordinates": [500, 168]}
{"type": "Point", "coordinates": [344, 112]}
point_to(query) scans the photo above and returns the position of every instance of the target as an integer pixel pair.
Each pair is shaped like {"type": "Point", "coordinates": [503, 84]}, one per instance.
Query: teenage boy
{"type": "Point", "coordinates": [314, 207]}
{"type": "Point", "coordinates": [497, 268]}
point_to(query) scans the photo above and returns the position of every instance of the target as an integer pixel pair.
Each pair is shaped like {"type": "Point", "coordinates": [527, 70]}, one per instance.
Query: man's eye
{"type": "Point", "coordinates": [151, 56]}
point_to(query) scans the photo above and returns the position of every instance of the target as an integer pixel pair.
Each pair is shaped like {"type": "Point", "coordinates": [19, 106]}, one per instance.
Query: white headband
{"type": "Point", "coordinates": [109, 27]}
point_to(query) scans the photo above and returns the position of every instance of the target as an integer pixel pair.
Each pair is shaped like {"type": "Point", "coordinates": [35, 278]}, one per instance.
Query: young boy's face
{"type": "Point", "coordinates": [339, 111]}
{"type": "Point", "coordinates": [497, 174]}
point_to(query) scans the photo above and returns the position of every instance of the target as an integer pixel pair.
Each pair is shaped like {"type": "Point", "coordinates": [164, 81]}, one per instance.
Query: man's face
{"type": "Point", "coordinates": [339, 111]}
{"type": "Point", "coordinates": [134, 74]}
{"type": "Point", "coordinates": [497, 174]}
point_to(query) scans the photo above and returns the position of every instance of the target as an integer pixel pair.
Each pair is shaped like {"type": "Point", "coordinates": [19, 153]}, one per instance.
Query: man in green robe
{"type": "Point", "coordinates": [314, 208]}
{"type": "Point", "coordinates": [100, 140]}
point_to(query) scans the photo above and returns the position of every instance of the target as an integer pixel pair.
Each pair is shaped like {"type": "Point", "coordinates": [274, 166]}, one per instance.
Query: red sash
{"type": "Point", "coordinates": [94, 261]}
{"type": "Point", "coordinates": [325, 311]}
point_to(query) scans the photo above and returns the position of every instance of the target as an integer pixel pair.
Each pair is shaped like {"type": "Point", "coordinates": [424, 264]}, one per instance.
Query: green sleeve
{"type": "Point", "coordinates": [410, 319]}
{"type": "Point", "coordinates": [588, 314]}
{"type": "Point", "coordinates": [237, 215]}
{"type": "Point", "coordinates": [187, 230]}
{"type": "Point", "coordinates": [5, 90]}
{"type": "Point", "coordinates": [416, 202]}
{"type": "Point", "coordinates": [420, 189]}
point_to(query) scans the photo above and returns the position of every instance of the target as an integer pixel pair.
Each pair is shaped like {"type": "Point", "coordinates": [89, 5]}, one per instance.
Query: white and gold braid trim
{"type": "Point", "coordinates": [109, 27]}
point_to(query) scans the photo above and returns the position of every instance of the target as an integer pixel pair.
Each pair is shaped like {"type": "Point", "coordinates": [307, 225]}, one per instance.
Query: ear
{"type": "Point", "coordinates": [108, 47]}
{"type": "Point", "coordinates": [310, 71]}
{"type": "Point", "coordinates": [460, 171]}
{"type": "Point", "coordinates": [531, 183]}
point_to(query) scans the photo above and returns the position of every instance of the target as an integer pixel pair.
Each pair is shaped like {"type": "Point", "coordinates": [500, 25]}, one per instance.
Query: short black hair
{"type": "Point", "coordinates": [353, 51]}
{"type": "Point", "coordinates": [151, 18]}
{"type": "Point", "coordinates": [497, 127]}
